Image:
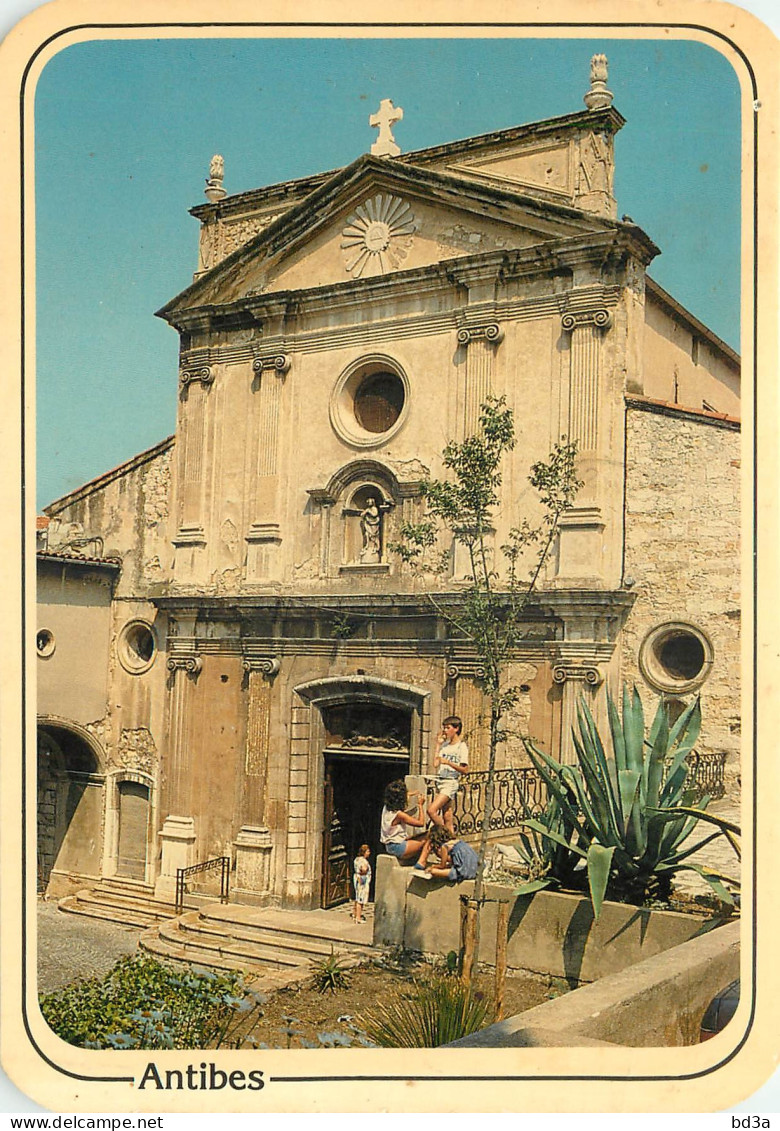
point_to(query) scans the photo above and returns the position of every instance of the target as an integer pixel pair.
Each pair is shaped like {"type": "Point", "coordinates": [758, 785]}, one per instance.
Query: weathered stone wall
{"type": "Point", "coordinates": [683, 554]}
{"type": "Point", "coordinates": [122, 514]}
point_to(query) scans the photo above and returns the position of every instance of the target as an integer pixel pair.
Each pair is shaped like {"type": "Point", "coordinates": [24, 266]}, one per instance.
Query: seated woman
{"type": "Point", "coordinates": [457, 860]}
{"type": "Point", "coordinates": [395, 821]}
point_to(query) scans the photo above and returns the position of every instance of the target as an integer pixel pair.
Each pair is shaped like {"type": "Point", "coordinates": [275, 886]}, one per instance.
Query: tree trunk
{"type": "Point", "coordinates": [470, 941]}
{"type": "Point", "coordinates": [502, 923]}
{"type": "Point", "coordinates": [490, 791]}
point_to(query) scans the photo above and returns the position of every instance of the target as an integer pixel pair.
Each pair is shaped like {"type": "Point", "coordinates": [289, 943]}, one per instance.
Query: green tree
{"type": "Point", "coordinates": [487, 612]}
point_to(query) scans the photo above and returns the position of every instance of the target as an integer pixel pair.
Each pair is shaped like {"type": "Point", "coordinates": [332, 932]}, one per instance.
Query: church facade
{"type": "Point", "coordinates": [271, 662]}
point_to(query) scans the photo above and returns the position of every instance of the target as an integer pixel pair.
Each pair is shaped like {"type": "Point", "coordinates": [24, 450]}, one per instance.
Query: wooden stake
{"type": "Point", "coordinates": [502, 932]}
{"type": "Point", "coordinates": [470, 942]}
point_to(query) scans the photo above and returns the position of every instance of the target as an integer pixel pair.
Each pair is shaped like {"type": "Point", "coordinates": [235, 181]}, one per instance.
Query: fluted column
{"type": "Point", "coordinates": [586, 329]}
{"type": "Point", "coordinates": [264, 535]}
{"type": "Point", "coordinates": [196, 381]}
{"type": "Point", "coordinates": [471, 706]}
{"type": "Point", "coordinates": [575, 679]}
{"type": "Point", "coordinates": [260, 672]}
{"type": "Point", "coordinates": [178, 834]}
{"type": "Point", "coordinates": [481, 342]}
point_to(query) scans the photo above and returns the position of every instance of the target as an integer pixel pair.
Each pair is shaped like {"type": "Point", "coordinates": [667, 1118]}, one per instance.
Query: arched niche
{"type": "Point", "coordinates": [70, 803]}
{"type": "Point", "coordinates": [359, 510]}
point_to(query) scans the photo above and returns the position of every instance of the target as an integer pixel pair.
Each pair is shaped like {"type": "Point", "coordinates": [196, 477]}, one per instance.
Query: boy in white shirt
{"type": "Point", "coordinates": [450, 761]}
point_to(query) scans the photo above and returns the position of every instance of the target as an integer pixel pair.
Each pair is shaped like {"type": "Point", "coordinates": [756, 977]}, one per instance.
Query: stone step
{"type": "Point", "coordinates": [123, 885]}
{"type": "Point", "coordinates": [224, 946]}
{"type": "Point", "coordinates": [317, 928]}
{"type": "Point", "coordinates": [115, 907]}
{"type": "Point", "coordinates": [265, 944]}
{"type": "Point", "coordinates": [264, 977]}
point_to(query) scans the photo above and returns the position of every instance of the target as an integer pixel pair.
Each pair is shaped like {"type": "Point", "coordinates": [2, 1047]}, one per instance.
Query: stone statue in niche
{"type": "Point", "coordinates": [371, 529]}
{"type": "Point", "coordinates": [365, 526]}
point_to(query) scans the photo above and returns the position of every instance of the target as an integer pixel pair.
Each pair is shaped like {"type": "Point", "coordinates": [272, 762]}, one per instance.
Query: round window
{"type": "Point", "coordinates": [137, 646]}
{"type": "Point", "coordinates": [44, 642]}
{"type": "Point", "coordinates": [370, 401]}
{"type": "Point", "coordinates": [676, 657]}
{"type": "Point", "coordinates": [379, 399]}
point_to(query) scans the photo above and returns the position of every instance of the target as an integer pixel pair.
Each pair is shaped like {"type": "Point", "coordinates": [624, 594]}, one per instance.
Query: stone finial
{"type": "Point", "coordinates": [384, 119]}
{"type": "Point", "coordinates": [214, 189]}
{"type": "Point", "coordinates": [598, 97]}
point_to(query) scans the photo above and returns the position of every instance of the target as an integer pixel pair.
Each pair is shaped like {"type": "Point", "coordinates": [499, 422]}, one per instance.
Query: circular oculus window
{"type": "Point", "coordinates": [676, 657]}
{"type": "Point", "coordinates": [137, 647]}
{"type": "Point", "coordinates": [45, 642]}
{"type": "Point", "coordinates": [369, 402]}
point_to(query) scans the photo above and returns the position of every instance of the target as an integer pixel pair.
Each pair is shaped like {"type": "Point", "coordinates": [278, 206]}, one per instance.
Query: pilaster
{"type": "Point", "coordinates": [264, 538]}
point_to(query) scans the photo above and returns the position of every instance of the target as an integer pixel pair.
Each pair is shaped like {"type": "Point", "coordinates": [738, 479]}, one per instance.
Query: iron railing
{"type": "Point", "coordinates": [182, 874]}
{"type": "Point", "coordinates": [521, 792]}
{"type": "Point", "coordinates": [706, 774]}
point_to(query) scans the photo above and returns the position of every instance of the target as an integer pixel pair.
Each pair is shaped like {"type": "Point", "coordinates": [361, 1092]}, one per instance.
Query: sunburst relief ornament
{"type": "Point", "coordinates": [377, 235]}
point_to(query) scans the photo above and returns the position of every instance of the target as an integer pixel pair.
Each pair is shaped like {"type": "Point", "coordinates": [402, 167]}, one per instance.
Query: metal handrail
{"type": "Point", "coordinates": [222, 862]}
{"type": "Point", "coordinates": [520, 791]}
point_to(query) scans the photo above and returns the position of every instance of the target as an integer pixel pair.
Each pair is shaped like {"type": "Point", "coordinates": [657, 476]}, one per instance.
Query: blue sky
{"type": "Point", "coordinates": [124, 134]}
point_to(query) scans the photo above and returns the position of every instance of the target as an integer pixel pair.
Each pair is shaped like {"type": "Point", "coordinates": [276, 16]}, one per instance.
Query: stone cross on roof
{"type": "Point", "coordinates": [384, 119]}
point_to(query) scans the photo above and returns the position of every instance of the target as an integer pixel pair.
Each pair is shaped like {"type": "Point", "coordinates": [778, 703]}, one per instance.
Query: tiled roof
{"type": "Point", "coordinates": [638, 401]}
{"type": "Point", "coordinates": [70, 556]}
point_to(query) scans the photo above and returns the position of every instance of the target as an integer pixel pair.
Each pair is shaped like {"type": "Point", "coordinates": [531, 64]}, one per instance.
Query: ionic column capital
{"type": "Point", "coordinates": [586, 673]}
{"type": "Point", "coordinates": [278, 363]}
{"type": "Point", "coordinates": [599, 317]}
{"type": "Point", "coordinates": [490, 332]}
{"type": "Point", "coordinates": [190, 374]}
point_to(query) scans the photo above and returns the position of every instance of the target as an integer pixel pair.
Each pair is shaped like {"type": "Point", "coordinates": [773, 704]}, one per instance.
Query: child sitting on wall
{"type": "Point", "coordinates": [457, 860]}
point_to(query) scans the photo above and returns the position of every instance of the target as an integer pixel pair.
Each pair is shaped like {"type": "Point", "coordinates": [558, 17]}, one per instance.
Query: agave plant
{"type": "Point", "coordinates": [629, 816]}
{"type": "Point", "coordinates": [436, 1012]}
{"type": "Point", "coordinates": [543, 846]}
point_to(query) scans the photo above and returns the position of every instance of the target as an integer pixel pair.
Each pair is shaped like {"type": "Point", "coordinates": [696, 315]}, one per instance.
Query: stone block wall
{"type": "Point", "coordinates": [682, 556]}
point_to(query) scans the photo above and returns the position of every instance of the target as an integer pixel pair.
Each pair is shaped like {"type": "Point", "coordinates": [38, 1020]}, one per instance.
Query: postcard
{"type": "Point", "coordinates": [390, 513]}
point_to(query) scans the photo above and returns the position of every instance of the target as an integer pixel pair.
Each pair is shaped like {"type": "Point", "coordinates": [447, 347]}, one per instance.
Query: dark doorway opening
{"type": "Point", "coordinates": [354, 787]}
{"type": "Point", "coordinates": [70, 797]}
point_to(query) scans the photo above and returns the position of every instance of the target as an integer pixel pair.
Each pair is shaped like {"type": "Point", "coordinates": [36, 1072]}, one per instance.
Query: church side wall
{"type": "Point", "coordinates": [129, 512]}
{"type": "Point", "coordinates": [683, 554]}
{"type": "Point", "coordinates": [702, 372]}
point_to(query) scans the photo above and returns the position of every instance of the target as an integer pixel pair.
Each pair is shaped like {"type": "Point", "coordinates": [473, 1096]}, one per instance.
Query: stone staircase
{"type": "Point", "coordinates": [277, 947]}
{"type": "Point", "coordinates": [129, 903]}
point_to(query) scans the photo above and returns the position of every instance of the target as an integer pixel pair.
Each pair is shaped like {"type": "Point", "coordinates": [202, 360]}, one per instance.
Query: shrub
{"type": "Point", "coordinates": [330, 974]}
{"type": "Point", "coordinates": [629, 816]}
{"type": "Point", "coordinates": [437, 1011]}
{"type": "Point", "coordinates": [142, 1003]}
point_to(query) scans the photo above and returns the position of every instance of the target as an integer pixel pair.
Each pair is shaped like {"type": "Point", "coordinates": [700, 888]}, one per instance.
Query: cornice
{"type": "Point", "coordinates": [279, 192]}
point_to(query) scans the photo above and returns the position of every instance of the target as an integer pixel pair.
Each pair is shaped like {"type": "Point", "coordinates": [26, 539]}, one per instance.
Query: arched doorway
{"type": "Point", "coordinates": [351, 735]}
{"type": "Point", "coordinates": [366, 746]}
{"type": "Point", "coordinates": [70, 799]}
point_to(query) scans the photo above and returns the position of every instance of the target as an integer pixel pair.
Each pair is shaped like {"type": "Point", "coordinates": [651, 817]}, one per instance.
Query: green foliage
{"type": "Point", "coordinates": [437, 1011]}
{"type": "Point", "coordinates": [487, 611]}
{"type": "Point", "coordinates": [628, 816]}
{"type": "Point", "coordinates": [331, 974]}
{"type": "Point", "coordinates": [141, 1003]}
{"type": "Point", "coordinates": [343, 627]}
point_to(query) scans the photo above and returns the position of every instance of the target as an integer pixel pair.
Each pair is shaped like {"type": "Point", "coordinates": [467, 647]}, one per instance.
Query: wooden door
{"type": "Point", "coordinates": [336, 878]}
{"type": "Point", "coordinates": [133, 829]}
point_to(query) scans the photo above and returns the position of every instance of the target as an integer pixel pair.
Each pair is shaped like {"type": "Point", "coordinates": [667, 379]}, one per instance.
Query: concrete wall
{"type": "Point", "coordinates": [659, 1002]}
{"type": "Point", "coordinates": [549, 933]}
{"type": "Point", "coordinates": [683, 555]}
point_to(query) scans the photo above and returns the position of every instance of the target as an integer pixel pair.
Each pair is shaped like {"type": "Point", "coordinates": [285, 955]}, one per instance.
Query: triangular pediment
{"type": "Point", "coordinates": [375, 218]}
